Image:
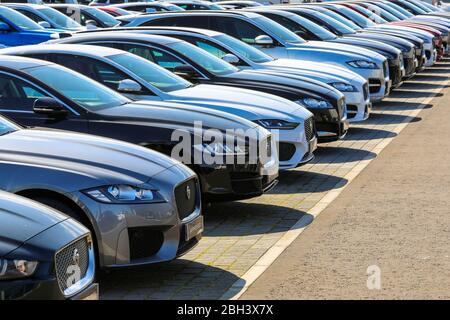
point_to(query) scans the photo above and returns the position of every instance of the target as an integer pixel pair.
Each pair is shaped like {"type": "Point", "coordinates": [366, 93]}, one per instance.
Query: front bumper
{"type": "Point", "coordinates": [331, 125]}
{"type": "Point", "coordinates": [358, 104]}
{"type": "Point", "coordinates": [296, 147]}
{"type": "Point", "coordinates": [379, 81]}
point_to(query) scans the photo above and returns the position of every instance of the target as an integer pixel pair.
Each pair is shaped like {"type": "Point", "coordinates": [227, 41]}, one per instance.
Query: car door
{"type": "Point", "coordinates": [10, 37]}
{"type": "Point", "coordinates": [17, 97]}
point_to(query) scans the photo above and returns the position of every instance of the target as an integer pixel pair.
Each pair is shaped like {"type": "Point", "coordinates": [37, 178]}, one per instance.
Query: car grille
{"type": "Point", "coordinates": [310, 130]}
{"type": "Point", "coordinates": [75, 254]}
{"type": "Point", "coordinates": [366, 91]}
{"type": "Point", "coordinates": [186, 198]}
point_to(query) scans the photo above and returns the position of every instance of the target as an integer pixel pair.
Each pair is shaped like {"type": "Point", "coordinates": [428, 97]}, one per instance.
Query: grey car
{"type": "Point", "coordinates": [43, 253]}
{"type": "Point", "coordinates": [141, 206]}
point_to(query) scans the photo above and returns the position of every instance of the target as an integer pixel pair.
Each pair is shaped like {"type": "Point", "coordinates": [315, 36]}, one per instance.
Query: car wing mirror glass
{"type": "Point", "coordinates": [230, 58]}
{"type": "Point", "coordinates": [129, 86]}
{"type": "Point", "coordinates": [44, 24]}
{"type": "Point", "coordinates": [49, 107]}
{"type": "Point", "coordinates": [264, 40]}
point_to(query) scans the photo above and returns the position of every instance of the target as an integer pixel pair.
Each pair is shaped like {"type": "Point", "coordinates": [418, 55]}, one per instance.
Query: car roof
{"type": "Point", "coordinates": [20, 63]}
{"type": "Point", "coordinates": [24, 5]}
{"type": "Point", "coordinates": [131, 36]}
{"type": "Point", "coordinates": [203, 13]}
{"type": "Point", "coordinates": [89, 50]}
{"type": "Point", "coordinates": [67, 5]}
{"type": "Point", "coordinates": [205, 32]}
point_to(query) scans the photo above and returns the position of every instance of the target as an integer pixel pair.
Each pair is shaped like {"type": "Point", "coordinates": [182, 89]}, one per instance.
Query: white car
{"type": "Point", "coordinates": [279, 42]}
{"type": "Point", "coordinates": [139, 79]}
{"type": "Point", "coordinates": [354, 87]}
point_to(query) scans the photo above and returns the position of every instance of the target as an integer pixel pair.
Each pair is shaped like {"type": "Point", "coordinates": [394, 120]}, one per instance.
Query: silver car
{"type": "Point", "coordinates": [141, 206]}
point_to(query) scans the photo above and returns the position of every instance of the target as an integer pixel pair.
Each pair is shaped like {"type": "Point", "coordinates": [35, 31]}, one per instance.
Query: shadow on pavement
{"type": "Point", "coordinates": [295, 181]}
{"type": "Point", "coordinates": [423, 85]}
{"type": "Point", "coordinates": [328, 154]}
{"type": "Point", "coordinates": [430, 77]}
{"type": "Point", "coordinates": [178, 279]}
{"type": "Point", "coordinates": [398, 106]}
{"type": "Point", "coordinates": [235, 219]}
{"type": "Point", "coordinates": [398, 93]}
{"type": "Point", "coordinates": [359, 134]}
{"type": "Point", "coordinates": [390, 118]}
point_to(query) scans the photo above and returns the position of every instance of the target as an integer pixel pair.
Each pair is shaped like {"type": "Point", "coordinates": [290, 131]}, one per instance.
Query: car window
{"type": "Point", "coordinates": [17, 95]}
{"type": "Point", "coordinates": [19, 19]}
{"type": "Point", "coordinates": [59, 18]}
{"type": "Point", "coordinates": [30, 15]}
{"type": "Point", "coordinates": [292, 26]}
{"type": "Point", "coordinates": [91, 68]}
{"type": "Point", "coordinates": [80, 89]}
{"type": "Point", "coordinates": [181, 21]}
{"type": "Point", "coordinates": [237, 28]}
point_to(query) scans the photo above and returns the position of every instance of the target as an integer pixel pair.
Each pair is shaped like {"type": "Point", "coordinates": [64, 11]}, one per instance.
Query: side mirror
{"type": "Point", "coordinates": [230, 58]}
{"type": "Point", "coordinates": [129, 86]}
{"type": "Point", "coordinates": [44, 24]}
{"type": "Point", "coordinates": [264, 40]}
{"type": "Point", "coordinates": [49, 107]}
{"type": "Point", "coordinates": [4, 27]}
{"type": "Point", "coordinates": [91, 23]}
{"type": "Point", "coordinates": [185, 71]}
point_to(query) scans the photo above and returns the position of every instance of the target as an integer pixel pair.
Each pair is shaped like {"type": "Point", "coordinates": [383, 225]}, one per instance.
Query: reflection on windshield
{"type": "Point", "coordinates": [150, 72]}
{"type": "Point", "coordinates": [211, 63]}
{"type": "Point", "coordinates": [60, 19]}
{"type": "Point", "coordinates": [84, 91]}
{"type": "Point", "coordinates": [104, 17]}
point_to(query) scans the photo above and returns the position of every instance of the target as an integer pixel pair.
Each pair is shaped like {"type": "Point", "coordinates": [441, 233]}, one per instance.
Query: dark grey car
{"type": "Point", "coordinates": [43, 253]}
{"type": "Point", "coordinates": [141, 206]}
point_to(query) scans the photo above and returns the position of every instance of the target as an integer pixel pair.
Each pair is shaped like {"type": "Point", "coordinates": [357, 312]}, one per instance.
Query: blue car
{"type": "Point", "coordinates": [16, 29]}
{"type": "Point", "coordinates": [46, 17]}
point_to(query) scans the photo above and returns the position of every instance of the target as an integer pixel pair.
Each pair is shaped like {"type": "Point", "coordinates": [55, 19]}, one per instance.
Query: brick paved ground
{"type": "Point", "coordinates": [238, 234]}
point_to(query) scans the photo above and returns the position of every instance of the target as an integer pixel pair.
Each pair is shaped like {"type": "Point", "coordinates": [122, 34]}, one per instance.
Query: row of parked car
{"type": "Point", "coordinates": [128, 127]}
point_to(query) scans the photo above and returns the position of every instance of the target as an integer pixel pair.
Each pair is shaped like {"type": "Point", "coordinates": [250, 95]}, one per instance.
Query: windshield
{"type": "Point", "coordinates": [340, 27]}
{"type": "Point", "coordinates": [18, 19]}
{"type": "Point", "coordinates": [213, 6]}
{"type": "Point", "coordinates": [348, 23]}
{"type": "Point", "coordinates": [84, 91]}
{"type": "Point", "coordinates": [400, 9]}
{"type": "Point", "coordinates": [172, 7]}
{"type": "Point", "coordinates": [372, 15]}
{"type": "Point", "coordinates": [421, 6]}
{"type": "Point", "coordinates": [59, 19]}
{"type": "Point", "coordinates": [413, 7]}
{"type": "Point", "coordinates": [355, 17]}
{"type": "Point", "coordinates": [391, 10]}
{"type": "Point", "coordinates": [206, 60]}
{"type": "Point", "coordinates": [7, 126]}
{"type": "Point", "coordinates": [150, 72]}
{"type": "Point", "coordinates": [244, 49]}
{"type": "Point", "coordinates": [319, 31]}
{"type": "Point", "coordinates": [105, 18]}
{"type": "Point", "coordinates": [279, 31]}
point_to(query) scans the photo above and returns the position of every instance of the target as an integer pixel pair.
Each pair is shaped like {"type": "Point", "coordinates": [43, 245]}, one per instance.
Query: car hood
{"type": "Point", "coordinates": [174, 115]}
{"type": "Point", "coordinates": [22, 219]}
{"type": "Point", "coordinates": [344, 48]}
{"type": "Point", "coordinates": [250, 104]}
{"type": "Point", "coordinates": [314, 68]}
{"type": "Point", "coordinates": [90, 157]}
{"type": "Point", "coordinates": [282, 86]}
{"type": "Point", "coordinates": [380, 47]}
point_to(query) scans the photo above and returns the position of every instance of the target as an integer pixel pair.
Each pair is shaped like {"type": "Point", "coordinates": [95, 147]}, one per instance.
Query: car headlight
{"type": "Point", "coordinates": [16, 269]}
{"type": "Point", "coordinates": [218, 148]}
{"type": "Point", "coordinates": [316, 103]}
{"type": "Point", "coordinates": [343, 87]}
{"type": "Point", "coordinates": [363, 64]}
{"type": "Point", "coordinates": [124, 194]}
{"type": "Point", "coordinates": [277, 124]}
